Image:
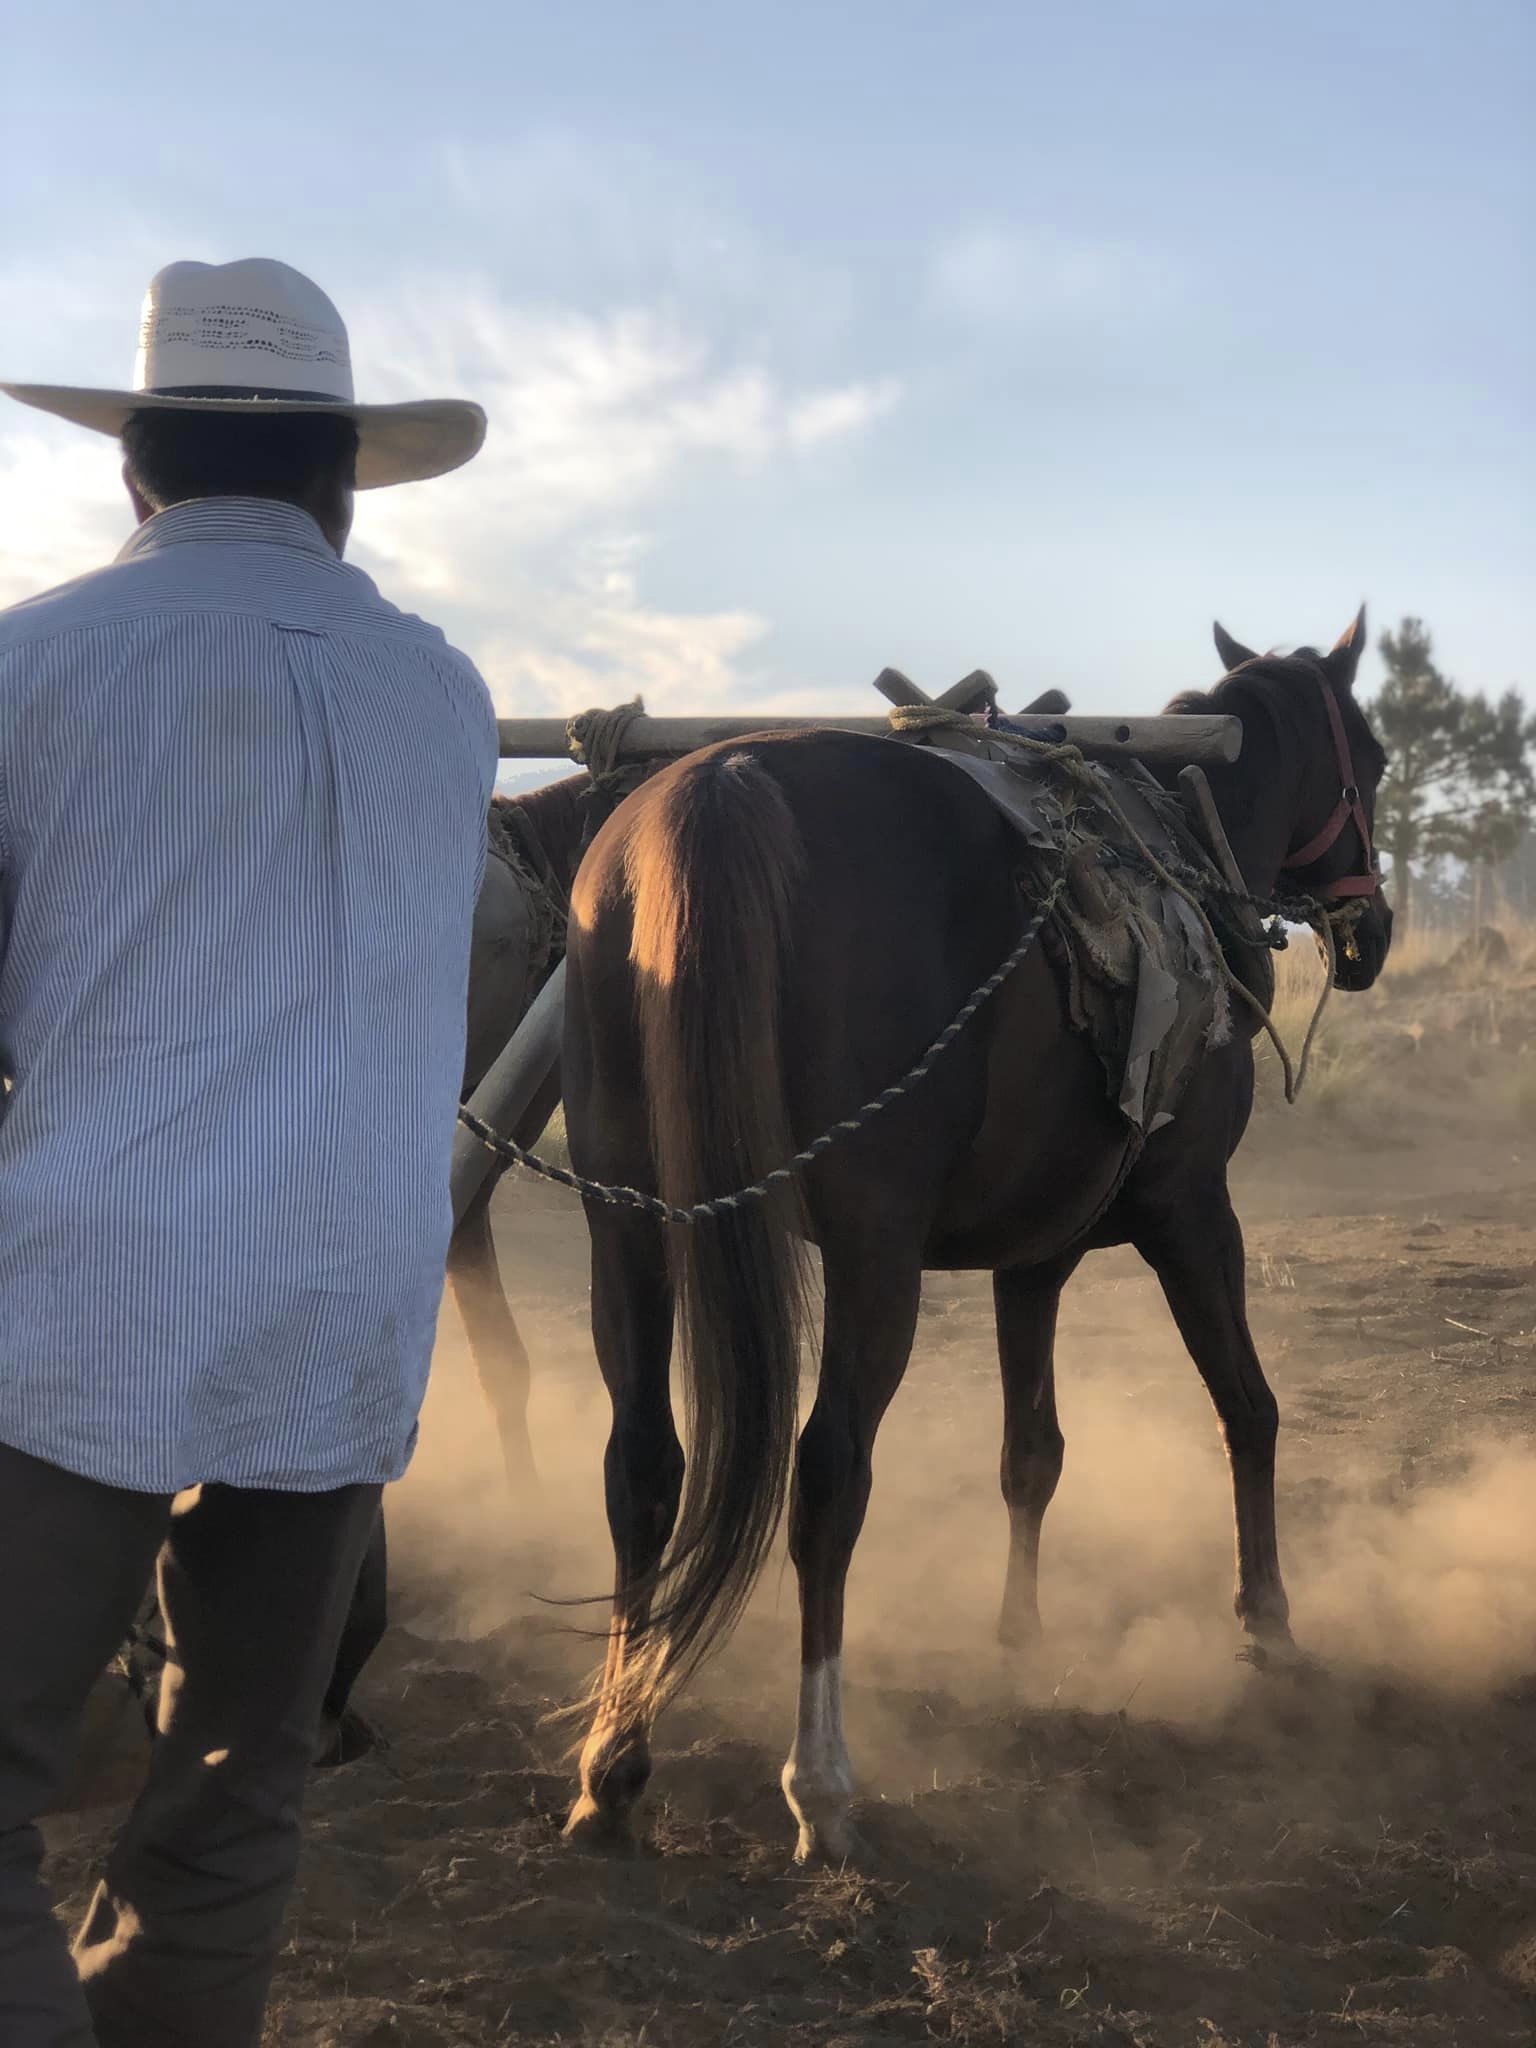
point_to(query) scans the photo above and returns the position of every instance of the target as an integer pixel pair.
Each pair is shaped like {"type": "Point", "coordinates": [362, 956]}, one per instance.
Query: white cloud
{"type": "Point", "coordinates": [533, 547]}
{"type": "Point", "coordinates": [827, 415]}
{"type": "Point", "coordinates": [619, 653]}
{"type": "Point", "coordinates": [590, 414]}
{"type": "Point", "coordinates": [63, 509]}
{"type": "Point", "coordinates": [583, 637]}
{"type": "Point", "coordinates": [1040, 278]}
{"type": "Point", "coordinates": [592, 220]}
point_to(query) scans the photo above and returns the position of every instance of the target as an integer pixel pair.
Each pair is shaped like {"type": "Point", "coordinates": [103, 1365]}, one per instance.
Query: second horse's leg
{"type": "Point", "coordinates": [495, 1344]}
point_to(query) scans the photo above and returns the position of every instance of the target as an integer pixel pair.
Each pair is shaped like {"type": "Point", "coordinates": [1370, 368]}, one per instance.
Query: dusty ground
{"type": "Point", "coordinates": [1138, 1841]}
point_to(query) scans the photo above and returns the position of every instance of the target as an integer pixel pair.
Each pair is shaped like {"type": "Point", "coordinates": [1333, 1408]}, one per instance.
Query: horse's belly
{"type": "Point", "coordinates": [1051, 1150]}
{"type": "Point", "coordinates": [1030, 1221]}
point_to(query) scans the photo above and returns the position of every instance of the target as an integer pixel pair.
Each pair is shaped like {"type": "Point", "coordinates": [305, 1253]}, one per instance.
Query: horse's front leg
{"type": "Point", "coordinates": [643, 1474]}
{"type": "Point", "coordinates": [1026, 1300]}
{"type": "Point", "coordinates": [1196, 1251]}
{"type": "Point", "coordinates": [872, 1290]}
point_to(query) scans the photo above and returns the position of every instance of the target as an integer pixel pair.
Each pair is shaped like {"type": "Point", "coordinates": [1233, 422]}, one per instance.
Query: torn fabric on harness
{"type": "Point", "coordinates": [1142, 981]}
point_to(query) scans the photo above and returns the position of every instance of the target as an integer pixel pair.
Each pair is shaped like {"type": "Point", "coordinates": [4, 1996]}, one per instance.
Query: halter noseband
{"type": "Point", "coordinates": [1349, 806]}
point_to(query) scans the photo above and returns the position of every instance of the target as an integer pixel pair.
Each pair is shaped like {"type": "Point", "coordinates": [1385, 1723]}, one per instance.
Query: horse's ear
{"type": "Point", "coordinates": [1344, 656]}
{"type": "Point", "coordinates": [1233, 653]}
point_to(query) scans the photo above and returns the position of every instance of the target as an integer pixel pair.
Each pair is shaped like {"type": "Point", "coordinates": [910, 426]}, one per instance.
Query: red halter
{"type": "Point", "coordinates": [1349, 806]}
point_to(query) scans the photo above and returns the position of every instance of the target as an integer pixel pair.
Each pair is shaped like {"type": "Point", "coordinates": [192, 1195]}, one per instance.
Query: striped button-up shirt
{"type": "Point", "coordinates": [242, 830]}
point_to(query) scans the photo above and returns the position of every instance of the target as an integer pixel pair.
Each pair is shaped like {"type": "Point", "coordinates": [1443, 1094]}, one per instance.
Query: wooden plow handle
{"type": "Point", "coordinates": [1168, 740]}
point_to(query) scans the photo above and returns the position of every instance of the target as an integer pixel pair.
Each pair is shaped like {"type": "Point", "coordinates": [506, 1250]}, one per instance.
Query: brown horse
{"type": "Point", "coordinates": [764, 936]}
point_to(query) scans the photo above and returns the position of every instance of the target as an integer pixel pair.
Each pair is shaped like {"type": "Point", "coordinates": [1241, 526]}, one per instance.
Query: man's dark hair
{"type": "Point", "coordinates": [298, 457]}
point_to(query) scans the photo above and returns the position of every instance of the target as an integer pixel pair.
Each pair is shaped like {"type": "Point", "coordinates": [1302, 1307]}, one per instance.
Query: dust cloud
{"type": "Point", "coordinates": [1130, 1838]}
{"type": "Point", "coordinates": [1432, 1585]}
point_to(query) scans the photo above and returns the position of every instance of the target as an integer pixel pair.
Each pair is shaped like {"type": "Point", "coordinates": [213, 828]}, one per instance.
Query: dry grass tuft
{"type": "Point", "coordinates": [1444, 998]}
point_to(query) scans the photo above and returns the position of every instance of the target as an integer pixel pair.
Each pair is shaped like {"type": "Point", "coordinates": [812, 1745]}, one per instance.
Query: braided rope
{"type": "Point", "coordinates": [508, 1150]}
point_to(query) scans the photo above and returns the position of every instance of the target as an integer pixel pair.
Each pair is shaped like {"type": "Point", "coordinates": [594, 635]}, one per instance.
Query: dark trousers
{"type": "Point", "coordinates": [178, 1945]}
{"type": "Point", "coordinates": [367, 1619]}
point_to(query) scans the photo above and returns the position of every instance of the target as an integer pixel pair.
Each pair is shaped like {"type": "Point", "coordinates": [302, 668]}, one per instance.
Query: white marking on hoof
{"type": "Point", "coordinates": [818, 1778]}
{"type": "Point", "coordinates": [832, 1845]}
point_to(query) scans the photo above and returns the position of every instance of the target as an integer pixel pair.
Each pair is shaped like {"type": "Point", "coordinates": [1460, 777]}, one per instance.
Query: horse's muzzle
{"type": "Point", "coordinates": [1362, 952]}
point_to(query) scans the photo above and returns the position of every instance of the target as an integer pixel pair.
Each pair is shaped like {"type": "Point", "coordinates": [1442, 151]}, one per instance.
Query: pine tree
{"type": "Point", "coordinates": [1460, 783]}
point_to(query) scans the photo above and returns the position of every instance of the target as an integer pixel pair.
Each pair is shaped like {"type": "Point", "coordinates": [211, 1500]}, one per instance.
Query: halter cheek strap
{"type": "Point", "coordinates": [1349, 806]}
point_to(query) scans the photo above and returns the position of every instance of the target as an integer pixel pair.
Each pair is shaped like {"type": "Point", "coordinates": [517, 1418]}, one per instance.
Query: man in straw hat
{"type": "Point", "coordinates": [242, 823]}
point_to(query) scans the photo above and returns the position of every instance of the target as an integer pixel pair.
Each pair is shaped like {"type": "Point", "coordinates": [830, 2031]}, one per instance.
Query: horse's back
{"type": "Point", "coordinates": [901, 885]}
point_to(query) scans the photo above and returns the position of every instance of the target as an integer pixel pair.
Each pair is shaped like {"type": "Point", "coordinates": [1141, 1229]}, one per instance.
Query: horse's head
{"type": "Point", "coordinates": [1312, 801]}
{"type": "Point", "coordinates": [1336, 767]}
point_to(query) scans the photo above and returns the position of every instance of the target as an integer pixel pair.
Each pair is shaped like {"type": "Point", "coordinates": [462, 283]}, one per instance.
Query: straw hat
{"type": "Point", "coordinates": [255, 338]}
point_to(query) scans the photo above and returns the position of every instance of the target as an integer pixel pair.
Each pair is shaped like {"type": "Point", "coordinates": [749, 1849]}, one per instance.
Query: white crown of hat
{"type": "Point", "coordinates": [258, 337]}
{"type": "Point", "coordinates": [251, 326]}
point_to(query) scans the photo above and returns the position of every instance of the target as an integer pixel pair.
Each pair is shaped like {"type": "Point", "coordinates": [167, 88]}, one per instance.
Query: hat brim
{"type": "Point", "coordinates": [396, 444]}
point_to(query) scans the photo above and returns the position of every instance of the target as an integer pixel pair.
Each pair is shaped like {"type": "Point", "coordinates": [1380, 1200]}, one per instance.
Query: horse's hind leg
{"type": "Point", "coordinates": [1196, 1250]}
{"type": "Point", "coordinates": [871, 1314]}
{"type": "Point", "coordinates": [643, 1473]}
{"type": "Point", "coordinates": [1026, 1300]}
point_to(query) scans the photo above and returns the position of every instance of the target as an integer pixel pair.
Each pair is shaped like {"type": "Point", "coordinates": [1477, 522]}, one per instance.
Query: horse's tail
{"type": "Point", "coordinates": [712, 869]}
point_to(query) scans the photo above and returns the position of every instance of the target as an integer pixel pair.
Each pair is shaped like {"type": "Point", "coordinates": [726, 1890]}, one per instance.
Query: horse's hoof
{"type": "Point", "coordinates": [1023, 1640]}
{"type": "Point", "coordinates": [1278, 1657]}
{"type": "Point", "coordinates": [599, 1829]}
{"type": "Point", "coordinates": [830, 1845]}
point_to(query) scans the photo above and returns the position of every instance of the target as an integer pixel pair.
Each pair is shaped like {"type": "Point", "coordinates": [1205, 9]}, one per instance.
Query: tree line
{"type": "Point", "coordinates": [1454, 812]}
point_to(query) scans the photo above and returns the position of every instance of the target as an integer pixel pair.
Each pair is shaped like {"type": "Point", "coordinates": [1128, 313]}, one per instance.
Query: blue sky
{"type": "Point", "coordinates": [815, 338]}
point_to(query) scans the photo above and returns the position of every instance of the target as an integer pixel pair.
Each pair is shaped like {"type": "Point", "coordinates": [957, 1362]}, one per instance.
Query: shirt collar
{"type": "Point", "coordinates": [223, 519]}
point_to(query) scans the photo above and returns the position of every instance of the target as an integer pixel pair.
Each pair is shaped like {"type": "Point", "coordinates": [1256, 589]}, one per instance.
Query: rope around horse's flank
{"type": "Point", "coordinates": [702, 1212]}
{"type": "Point", "coordinates": [917, 718]}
